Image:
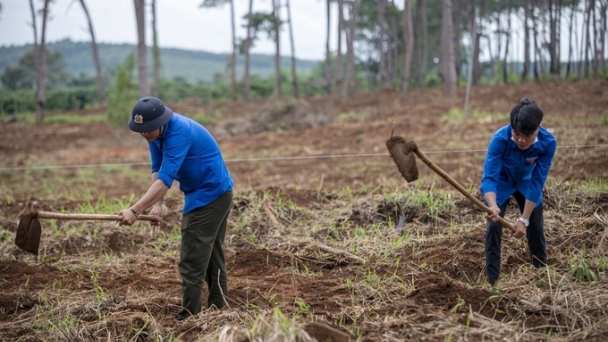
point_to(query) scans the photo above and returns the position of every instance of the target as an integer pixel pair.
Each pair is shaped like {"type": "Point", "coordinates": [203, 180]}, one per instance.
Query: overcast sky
{"type": "Point", "coordinates": [181, 24]}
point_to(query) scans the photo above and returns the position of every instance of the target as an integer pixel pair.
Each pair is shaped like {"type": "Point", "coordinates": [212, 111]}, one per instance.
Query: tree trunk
{"type": "Point", "coordinates": [588, 38]}
{"type": "Point", "coordinates": [294, 76]}
{"type": "Point", "coordinates": [603, 27]}
{"type": "Point", "coordinates": [388, 50]}
{"type": "Point", "coordinates": [40, 56]}
{"type": "Point", "coordinates": [40, 78]}
{"type": "Point", "coordinates": [155, 55]}
{"type": "Point", "coordinates": [246, 84]}
{"type": "Point", "coordinates": [499, 38]}
{"type": "Point", "coordinates": [582, 41]}
{"type": "Point", "coordinates": [408, 48]}
{"type": "Point", "coordinates": [596, 49]}
{"type": "Point", "coordinates": [101, 93]}
{"type": "Point", "coordinates": [473, 30]}
{"type": "Point", "coordinates": [457, 34]}
{"type": "Point", "coordinates": [35, 28]}
{"type": "Point", "coordinates": [353, 15]}
{"type": "Point", "coordinates": [277, 55]}
{"type": "Point", "coordinates": [382, 63]}
{"type": "Point", "coordinates": [141, 47]}
{"type": "Point", "coordinates": [233, 56]}
{"type": "Point", "coordinates": [552, 36]}
{"type": "Point", "coordinates": [394, 52]}
{"type": "Point", "coordinates": [526, 66]}
{"type": "Point", "coordinates": [338, 68]}
{"type": "Point", "coordinates": [448, 68]}
{"type": "Point", "coordinates": [558, 36]}
{"type": "Point", "coordinates": [39, 111]}
{"type": "Point", "coordinates": [543, 37]}
{"type": "Point", "coordinates": [570, 33]}
{"type": "Point", "coordinates": [554, 29]}
{"type": "Point", "coordinates": [493, 57]}
{"type": "Point", "coordinates": [328, 77]}
{"type": "Point", "coordinates": [505, 74]}
{"type": "Point", "coordinates": [537, 54]}
{"type": "Point", "coordinates": [477, 70]}
{"type": "Point", "coordinates": [422, 44]}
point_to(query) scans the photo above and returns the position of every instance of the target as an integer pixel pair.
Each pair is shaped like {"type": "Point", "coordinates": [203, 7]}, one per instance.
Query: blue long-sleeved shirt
{"type": "Point", "coordinates": [508, 168]}
{"type": "Point", "coordinates": [187, 152]}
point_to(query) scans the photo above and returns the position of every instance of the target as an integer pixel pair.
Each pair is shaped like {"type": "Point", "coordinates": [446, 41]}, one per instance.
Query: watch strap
{"type": "Point", "coordinates": [524, 221]}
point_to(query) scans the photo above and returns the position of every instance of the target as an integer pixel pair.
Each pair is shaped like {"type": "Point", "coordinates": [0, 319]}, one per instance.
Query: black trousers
{"type": "Point", "coordinates": [535, 235]}
{"type": "Point", "coordinates": [202, 256]}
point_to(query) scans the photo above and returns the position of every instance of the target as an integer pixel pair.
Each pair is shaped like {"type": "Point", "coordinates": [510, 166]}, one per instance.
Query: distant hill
{"type": "Point", "coordinates": [192, 65]}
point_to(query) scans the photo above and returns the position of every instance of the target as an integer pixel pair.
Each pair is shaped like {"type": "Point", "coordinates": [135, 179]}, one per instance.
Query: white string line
{"type": "Point", "coordinates": [264, 159]}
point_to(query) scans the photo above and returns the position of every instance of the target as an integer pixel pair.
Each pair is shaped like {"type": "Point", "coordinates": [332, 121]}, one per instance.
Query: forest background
{"type": "Point", "coordinates": [385, 44]}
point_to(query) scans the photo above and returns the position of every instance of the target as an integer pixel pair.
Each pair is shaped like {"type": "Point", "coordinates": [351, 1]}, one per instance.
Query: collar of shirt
{"type": "Point", "coordinates": [535, 140]}
{"type": "Point", "coordinates": [165, 129]}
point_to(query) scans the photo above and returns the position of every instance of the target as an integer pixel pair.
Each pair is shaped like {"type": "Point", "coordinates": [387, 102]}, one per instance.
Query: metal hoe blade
{"type": "Point", "coordinates": [29, 230]}
{"type": "Point", "coordinates": [401, 152]}
{"type": "Point", "coordinates": [28, 233]}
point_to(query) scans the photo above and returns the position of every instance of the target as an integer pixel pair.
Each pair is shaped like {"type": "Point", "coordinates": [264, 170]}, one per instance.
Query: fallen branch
{"type": "Point", "coordinates": [325, 248]}
{"type": "Point", "coordinates": [273, 219]}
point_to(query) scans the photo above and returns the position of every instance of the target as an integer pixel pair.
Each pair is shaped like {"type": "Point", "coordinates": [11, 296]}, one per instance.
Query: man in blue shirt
{"type": "Point", "coordinates": [517, 164]}
{"type": "Point", "coordinates": [181, 149]}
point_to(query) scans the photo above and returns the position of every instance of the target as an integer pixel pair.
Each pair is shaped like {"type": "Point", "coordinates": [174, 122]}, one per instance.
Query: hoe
{"type": "Point", "coordinates": [28, 231]}
{"type": "Point", "coordinates": [402, 152]}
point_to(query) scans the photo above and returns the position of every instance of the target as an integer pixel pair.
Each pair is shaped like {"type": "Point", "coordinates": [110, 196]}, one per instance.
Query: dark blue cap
{"type": "Point", "coordinates": [148, 114]}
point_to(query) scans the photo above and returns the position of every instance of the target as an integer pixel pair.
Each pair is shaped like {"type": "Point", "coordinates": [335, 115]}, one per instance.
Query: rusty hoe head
{"type": "Point", "coordinates": [28, 232]}
{"type": "Point", "coordinates": [402, 152]}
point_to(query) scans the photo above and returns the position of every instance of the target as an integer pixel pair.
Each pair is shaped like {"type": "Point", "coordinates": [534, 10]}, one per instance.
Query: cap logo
{"type": "Point", "coordinates": [138, 119]}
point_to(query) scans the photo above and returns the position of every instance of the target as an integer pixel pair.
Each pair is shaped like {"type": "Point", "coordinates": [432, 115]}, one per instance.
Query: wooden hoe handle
{"type": "Point", "coordinates": [84, 217]}
{"type": "Point", "coordinates": [459, 187]}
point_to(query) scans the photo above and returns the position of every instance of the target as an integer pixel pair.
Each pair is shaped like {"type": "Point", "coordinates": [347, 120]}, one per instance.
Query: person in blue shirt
{"type": "Point", "coordinates": [517, 164]}
{"type": "Point", "coordinates": [183, 150]}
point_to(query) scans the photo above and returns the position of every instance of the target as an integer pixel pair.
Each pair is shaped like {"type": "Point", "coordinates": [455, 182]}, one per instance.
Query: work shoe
{"type": "Point", "coordinates": [182, 316]}
{"type": "Point", "coordinates": [494, 289]}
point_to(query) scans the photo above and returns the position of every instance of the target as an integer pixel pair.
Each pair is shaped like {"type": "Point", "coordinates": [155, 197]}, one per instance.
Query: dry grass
{"type": "Point", "coordinates": [312, 247]}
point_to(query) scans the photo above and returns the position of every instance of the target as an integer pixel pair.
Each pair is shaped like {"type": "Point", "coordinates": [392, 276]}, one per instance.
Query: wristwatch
{"type": "Point", "coordinates": [524, 221]}
{"type": "Point", "coordinates": [136, 214]}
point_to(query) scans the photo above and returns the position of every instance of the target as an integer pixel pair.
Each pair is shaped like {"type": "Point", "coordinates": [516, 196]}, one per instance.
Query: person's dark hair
{"type": "Point", "coordinates": [526, 116]}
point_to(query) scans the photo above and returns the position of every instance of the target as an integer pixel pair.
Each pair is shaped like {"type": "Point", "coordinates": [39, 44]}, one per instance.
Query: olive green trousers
{"type": "Point", "coordinates": [202, 256]}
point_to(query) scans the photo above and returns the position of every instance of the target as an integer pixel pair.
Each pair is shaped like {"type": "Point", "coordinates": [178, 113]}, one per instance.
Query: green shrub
{"type": "Point", "coordinates": [123, 94]}
{"type": "Point", "coordinates": [24, 100]}
{"type": "Point", "coordinates": [433, 80]}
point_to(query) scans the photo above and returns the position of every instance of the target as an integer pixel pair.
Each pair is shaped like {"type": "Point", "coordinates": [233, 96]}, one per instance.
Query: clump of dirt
{"type": "Point", "coordinates": [443, 293]}
{"type": "Point", "coordinates": [369, 211]}
{"type": "Point", "coordinates": [309, 198]}
{"type": "Point", "coordinates": [17, 273]}
{"type": "Point", "coordinates": [77, 245]}
{"type": "Point", "coordinates": [278, 116]}
{"type": "Point", "coordinates": [259, 261]}
{"type": "Point", "coordinates": [323, 331]}
{"type": "Point", "coordinates": [461, 257]}
{"type": "Point", "coordinates": [85, 244]}
{"type": "Point", "coordinates": [11, 304]}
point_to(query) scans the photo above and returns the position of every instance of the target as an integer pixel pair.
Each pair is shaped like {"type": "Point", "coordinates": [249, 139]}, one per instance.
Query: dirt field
{"type": "Point", "coordinates": [312, 246]}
